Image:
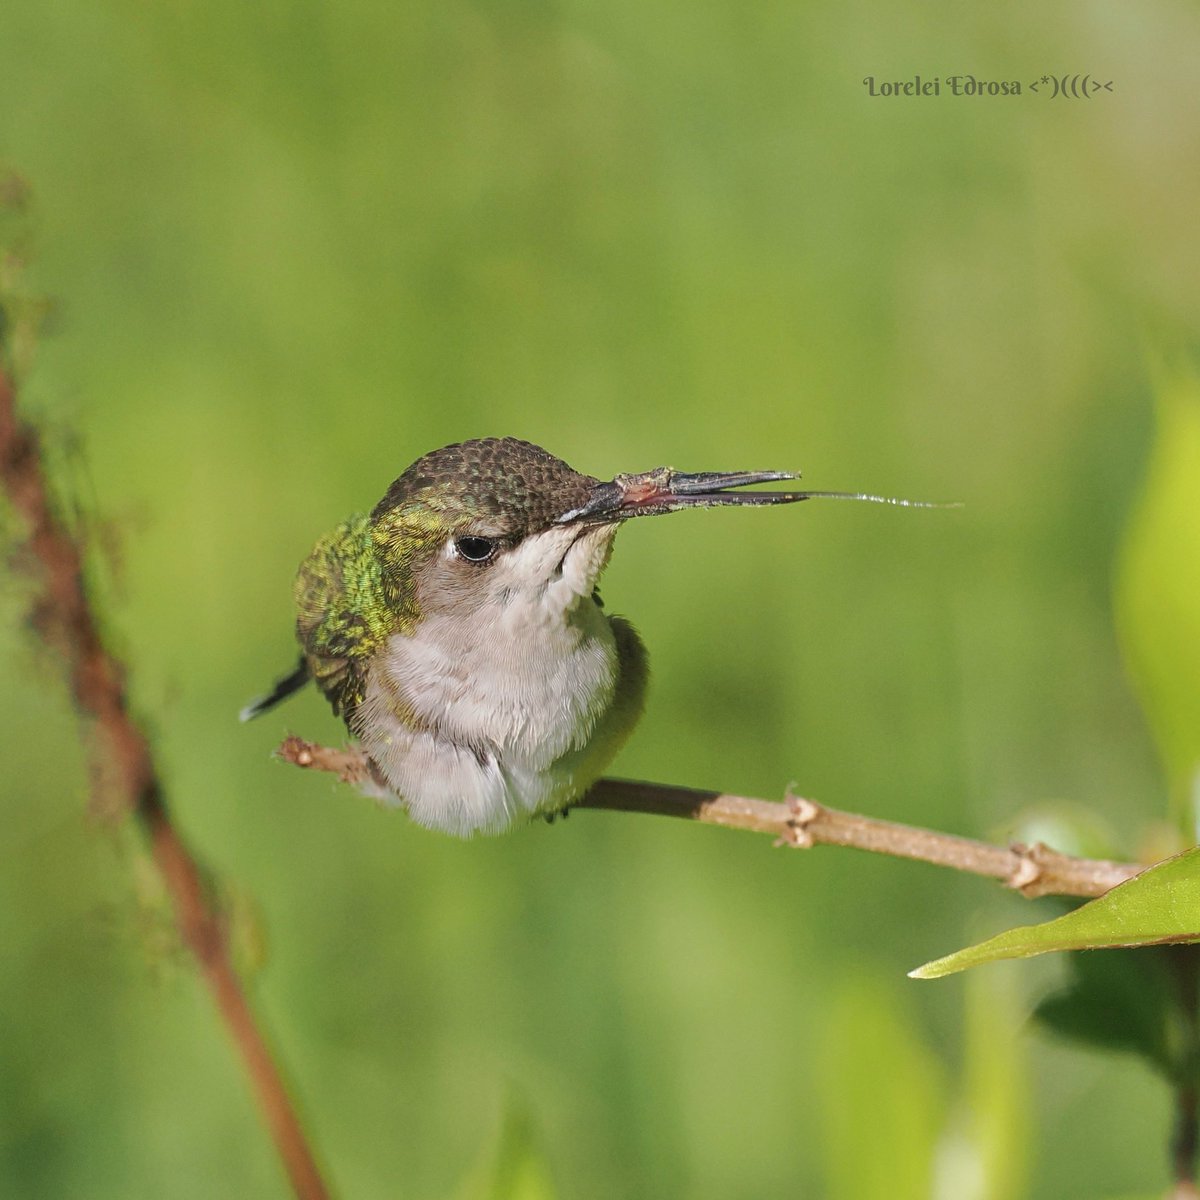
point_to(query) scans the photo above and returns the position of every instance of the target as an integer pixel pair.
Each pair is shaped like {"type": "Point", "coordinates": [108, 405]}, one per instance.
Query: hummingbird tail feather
{"type": "Point", "coordinates": [281, 691]}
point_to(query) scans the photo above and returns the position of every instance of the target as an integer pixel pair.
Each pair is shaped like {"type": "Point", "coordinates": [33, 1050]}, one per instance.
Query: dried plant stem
{"type": "Point", "coordinates": [124, 774]}
{"type": "Point", "coordinates": [1032, 870]}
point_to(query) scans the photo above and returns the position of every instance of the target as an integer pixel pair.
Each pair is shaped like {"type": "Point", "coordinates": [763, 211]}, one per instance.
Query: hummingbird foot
{"type": "Point", "coordinates": [350, 765]}
{"type": "Point", "coordinates": [551, 817]}
{"type": "Point", "coordinates": [801, 815]}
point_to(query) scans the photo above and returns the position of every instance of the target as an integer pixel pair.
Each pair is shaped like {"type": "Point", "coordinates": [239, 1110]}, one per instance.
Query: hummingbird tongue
{"type": "Point", "coordinates": [664, 490]}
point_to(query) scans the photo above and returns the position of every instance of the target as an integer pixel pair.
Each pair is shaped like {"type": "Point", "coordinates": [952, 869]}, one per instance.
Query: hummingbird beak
{"type": "Point", "coordinates": [664, 490]}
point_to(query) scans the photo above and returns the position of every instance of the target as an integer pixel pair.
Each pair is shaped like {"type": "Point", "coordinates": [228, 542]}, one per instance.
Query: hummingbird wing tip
{"type": "Point", "coordinates": [284, 688]}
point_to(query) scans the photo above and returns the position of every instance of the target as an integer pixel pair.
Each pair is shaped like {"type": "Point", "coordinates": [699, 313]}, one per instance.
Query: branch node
{"type": "Point", "coordinates": [801, 814]}
{"type": "Point", "coordinates": [1029, 868]}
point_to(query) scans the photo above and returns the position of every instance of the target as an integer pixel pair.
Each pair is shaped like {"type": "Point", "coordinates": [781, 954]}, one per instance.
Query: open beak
{"type": "Point", "coordinates": [664, 490]}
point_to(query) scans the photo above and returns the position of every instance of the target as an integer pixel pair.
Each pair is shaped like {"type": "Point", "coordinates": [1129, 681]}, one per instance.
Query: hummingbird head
{"type": "Point", "coordinates": [481, 521]}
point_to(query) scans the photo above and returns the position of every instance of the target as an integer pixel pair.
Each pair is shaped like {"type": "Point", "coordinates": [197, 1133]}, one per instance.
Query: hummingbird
{"type": "Point", "coordinates": [458, 631]}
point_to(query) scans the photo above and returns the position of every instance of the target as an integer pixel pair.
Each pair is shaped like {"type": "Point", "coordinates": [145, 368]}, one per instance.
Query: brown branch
{"type": "Point", "coordinates": [1031, 870]}
{"type": "Point", "coordinates": [124, 773]}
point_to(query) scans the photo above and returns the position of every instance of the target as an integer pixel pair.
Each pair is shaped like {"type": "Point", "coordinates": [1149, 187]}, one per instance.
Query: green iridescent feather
{"type": "Point", "coordinates": [347, 604]}
{"type": "Point", "coordinates": [357, 586]}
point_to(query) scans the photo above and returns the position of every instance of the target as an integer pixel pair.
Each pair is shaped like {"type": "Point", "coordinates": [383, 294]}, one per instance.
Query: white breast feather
{"type": "Point", "coordinates": [510, 700]}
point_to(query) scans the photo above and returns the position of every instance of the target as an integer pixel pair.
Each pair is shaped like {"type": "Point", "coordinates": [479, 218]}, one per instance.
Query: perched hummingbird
{"type": "Point", "coordinates": [458, 631]}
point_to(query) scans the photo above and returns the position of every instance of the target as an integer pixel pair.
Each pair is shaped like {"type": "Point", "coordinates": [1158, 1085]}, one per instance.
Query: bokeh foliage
{"type": "Point", "coordinates": [1159, 590]}
{"type": "Point", "coordinates": [293, 247]}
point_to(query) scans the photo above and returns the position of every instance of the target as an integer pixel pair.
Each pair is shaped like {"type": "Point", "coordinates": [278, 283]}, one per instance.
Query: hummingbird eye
{"type": "Point", "coordinates": [475, 549]}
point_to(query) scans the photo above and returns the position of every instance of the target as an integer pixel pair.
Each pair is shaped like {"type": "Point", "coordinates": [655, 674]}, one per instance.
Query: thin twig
{"type": "Point", "coordinates": [124, 773]}
{"type": "Point", "coordinates": [1032, 870]}
{"type": "Point", "coordinates": [1185, 1137]}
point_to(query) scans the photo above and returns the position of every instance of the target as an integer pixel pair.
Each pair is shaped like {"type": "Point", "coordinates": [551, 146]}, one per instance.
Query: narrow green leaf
{"type": "Point", "coordinates": [996, 1087]}
{"type": "Point", "coordinates": [881, 1082]}
{"type": "Point", "coordinates": [1158, 589]}
{"type": "Point", "coordinates": [1161, 904]}
{"type": "Point", "coordinates": [516, 1168]}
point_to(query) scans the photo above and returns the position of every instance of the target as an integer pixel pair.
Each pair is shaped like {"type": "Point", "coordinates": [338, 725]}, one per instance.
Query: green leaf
{"type": "Point", "coordinates": [1120, 1001]}
{"type": "Point", "coordinates": [1158, 589]}
{"type": "Point", "coordinates": [516, 1169]}
{"type": "Point", "coordinates": [996, 1090]}
{"type": "Point", "coordinates": [879, 1081]}
{"type": "Point", "coordinates": [1162, 904]}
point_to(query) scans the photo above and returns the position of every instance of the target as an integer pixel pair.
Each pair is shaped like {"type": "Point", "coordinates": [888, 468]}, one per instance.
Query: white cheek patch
{"type": "Point", "coordinates": [531, 566]}
{"type": "Point", "coordinates": [587, 558]}
{"type": "Point", "coordinates": [557, 568]}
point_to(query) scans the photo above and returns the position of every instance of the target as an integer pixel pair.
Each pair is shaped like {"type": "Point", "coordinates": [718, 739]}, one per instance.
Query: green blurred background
{"type": "Point", "coordinates": [295, 246]}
